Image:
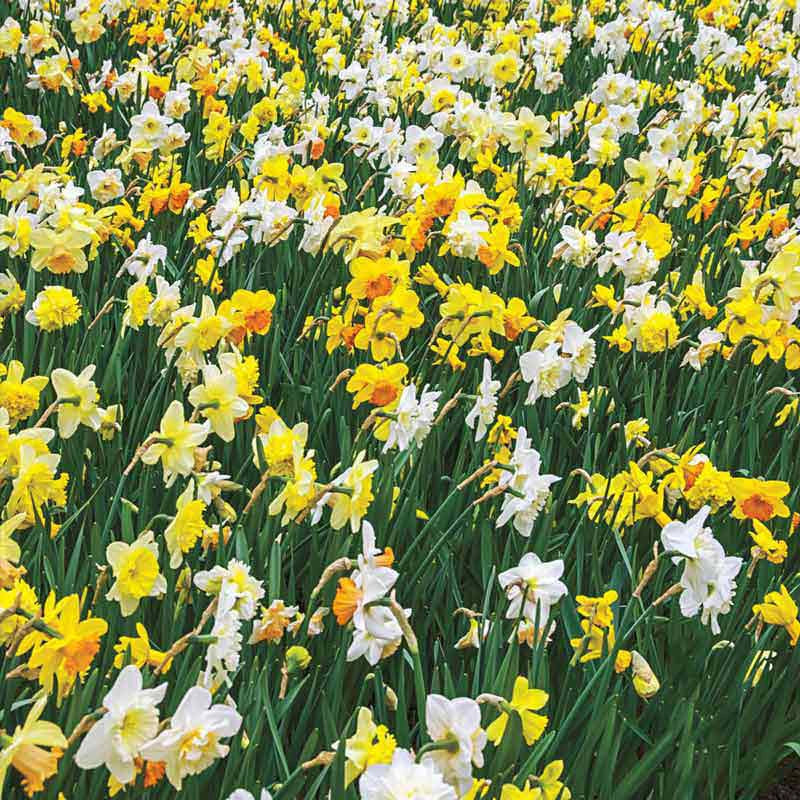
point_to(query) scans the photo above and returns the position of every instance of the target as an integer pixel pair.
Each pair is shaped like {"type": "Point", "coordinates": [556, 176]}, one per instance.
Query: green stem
{"type": "Point", "coordinates": [204, 638]}
{"type": "Point", "coordinates": [420, 694]}
{"type": "Point", "coordinates": [450, 744]}
{"type": "Point", "coordinates": [38, 624]}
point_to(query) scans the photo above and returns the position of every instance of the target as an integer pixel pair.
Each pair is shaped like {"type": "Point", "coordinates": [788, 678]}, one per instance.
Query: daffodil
{"type": "Point", "coordinates": [175, 442]}
{"type": "Point", "coordinates": [193, 739]}
{"type": "Point", "coordinates": [67, 655]}
{"type": "Point", "coordinates": [61, 252]}
{"type": "Point", "coordinates": [376, 277]}
{"type": "Point", "coordinates": [9, 549]}
{"type": "Point", "coordinates": [546, 786]}
{"type": "Point", "coordinates": [18, 596]}
{"type": "Point", "coordinates": [77, 398]}
{"type": "Point", "coordinates": [200, 334]}
{"type": "Point", "coordinates": [54, 308]}
{"type": "Point", "coordinates": [775, 550]}
{"type": "Point", "coordinates": [139, 651]}
{"type": "Point", "coordinates": [779, 608]}
{"type": "Point", "coordinates": [36, 484]}
{"type": "Point", "coordinates": [598, 609]}
{"type": "Point", "coordinates": [378, 384]}
{"type": "Point", "coordinates": [353, 493]}
{"type": "Point", "coordinates": [758, 499]}
{"type": "Point", "coordinates": [135, 568]}
{"type": "Point", "coordinates": [371, 744]}
{"type": "Point", "coordinates": [525, 702]}
{"type": "Point", "coordinates": [403, 777]}
{"type": "Point", "coordinates": [34, 748]}
{"type": "Point", "coordinates": [455, 725]}
{"type": "Point", "coordinates": [217, 399]}
{"type": "Point", "coordinates": [187, 526]}
{"type": "Point", "coordinates": [20, 397]}
{"type": "Point", "coordinates": [130, 721]}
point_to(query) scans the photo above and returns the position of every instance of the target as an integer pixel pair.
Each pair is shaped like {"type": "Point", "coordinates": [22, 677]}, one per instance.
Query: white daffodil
{"type": "Point", "coordinates": [533, 583]}
{"type": "Point", "coordinates": [130, 722]}
{"type": "Point", "coordinates": [192, 742]}
{"type": "Point", "coordinates": [105, 184]}
{"type": "Point", "coordinates": [526, 489]}
{"type": "Point", "coordinates": [707, 582]}
{"type": "Point", "coordinates": [485, 408]}
{"type": "Point", "coordinates": [457, 722]}
{"type": "Point", "coordinates": [379, 641]}
{"type": "Point", "coordinates": [412, 419]}
{"type": "Point", "coordinates": [576, 246]}
{"type": "Point", "coordinates": [237, 581]}
{"type": "Point", "coordinates": [545, 371]}
{"type": "Point", "coordinates": [579, 347]}
{"type": "Point", "coordinates": [243, 794]}
{"type": "Point", "coordinates": [175, 443]}
{"type": "Point", "coordinates": [403, 778]}
{"type": "Point", "coordinates": [222, 655]}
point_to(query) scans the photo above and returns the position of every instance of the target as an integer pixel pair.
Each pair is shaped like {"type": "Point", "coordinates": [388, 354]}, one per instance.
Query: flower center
{"type": "Point", "coordinates": [757, 507]}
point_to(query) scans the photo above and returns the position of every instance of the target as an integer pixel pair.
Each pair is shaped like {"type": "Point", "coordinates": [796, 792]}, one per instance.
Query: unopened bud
{"type": "Point", "coordinates": [391, 699]}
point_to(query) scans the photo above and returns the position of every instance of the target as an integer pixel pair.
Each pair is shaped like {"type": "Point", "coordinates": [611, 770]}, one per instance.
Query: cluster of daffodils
{"type": "Point", "coordinates": [128, 737]}
{"type": "Point", "coordinates": [510, 288]}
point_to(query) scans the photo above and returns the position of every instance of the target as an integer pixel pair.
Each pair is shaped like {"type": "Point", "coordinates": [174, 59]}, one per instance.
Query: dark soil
{"type": "Point", "coordinates": [787, 786]}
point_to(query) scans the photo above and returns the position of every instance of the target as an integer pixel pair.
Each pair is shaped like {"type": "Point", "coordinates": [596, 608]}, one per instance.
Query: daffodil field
{"type": "Point", "coordinates": [399, 399]}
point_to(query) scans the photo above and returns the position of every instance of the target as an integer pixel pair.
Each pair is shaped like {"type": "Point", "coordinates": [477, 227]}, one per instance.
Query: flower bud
{"type": "Point", "coordinates": [644, 679]}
